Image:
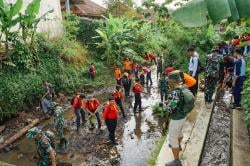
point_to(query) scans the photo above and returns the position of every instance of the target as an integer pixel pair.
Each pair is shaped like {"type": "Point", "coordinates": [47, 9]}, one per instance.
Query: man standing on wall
{"type": "Point", "coordinates": [194, 67]}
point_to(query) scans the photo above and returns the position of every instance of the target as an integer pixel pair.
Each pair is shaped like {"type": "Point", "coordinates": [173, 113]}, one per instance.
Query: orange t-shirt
{"type": "Point", "coordinates": [189, 80]}
{"type": "Point", "coordinates": [117, 73]}
{"type": "Point", "coordinates": [127, 65]}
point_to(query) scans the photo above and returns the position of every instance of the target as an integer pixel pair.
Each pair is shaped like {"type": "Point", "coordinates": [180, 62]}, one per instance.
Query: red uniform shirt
{"type": "Point", "coordinates": [117, 95]}
{"type": "Point", "coordinates": [136, 66]}
{"type": "Point", "coordinates": [110, 112]}
{"type": "Point", "coordinates": [92, 104]}
{"type": "Point", "coordinates": [137, 88]}
{"type": "Point", "coordinates": [146, 69]}
{"type": "Point", "coordinates": [77, 103]}
{"type": "Point", "coordinates": [169, 70]}
{"type": "Point", "coordinates": [92, 69]}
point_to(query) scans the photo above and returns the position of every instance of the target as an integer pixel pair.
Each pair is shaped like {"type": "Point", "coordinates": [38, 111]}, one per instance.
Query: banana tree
{"type": "Point", "coordinates": [29, 20]}
{"type": "Point", "coordinates": [115, 38]}
{"type": "Point", "coordinates": [196, 12]}
{"type": "Point", "coordinates": [8, 19]}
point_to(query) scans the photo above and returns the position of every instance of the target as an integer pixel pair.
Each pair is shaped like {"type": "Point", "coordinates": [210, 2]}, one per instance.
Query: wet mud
{"type": "Point", "coordinates": [217, 146]}
{"type": "Point", "coordinates": [136, 136]}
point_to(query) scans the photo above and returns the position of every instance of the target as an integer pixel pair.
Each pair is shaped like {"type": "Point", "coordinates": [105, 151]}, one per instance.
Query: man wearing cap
{"type": "Point", "coordinates": [44, 149]}
{"type": "Point", "coordinates": [177, 116]}
{"type": "Point", "coordinates": [110, 116]}
{"type": "Point", "coordinates": [194, 66]}
{"type": "Point", "coordinates": [77, 106]}
{"type": "Point", "coordinates": [211, 75]}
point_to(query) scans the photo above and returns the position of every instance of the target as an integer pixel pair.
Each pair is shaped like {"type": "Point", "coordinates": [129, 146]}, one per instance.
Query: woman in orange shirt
{"type": "Point", "coordinates": [118, 75]}
{"type": "Point", "coordinates": [127, 65]}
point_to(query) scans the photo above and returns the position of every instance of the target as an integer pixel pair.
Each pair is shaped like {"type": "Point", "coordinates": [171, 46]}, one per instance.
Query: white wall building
{"type": "Point", "coordinates": [53, 23]}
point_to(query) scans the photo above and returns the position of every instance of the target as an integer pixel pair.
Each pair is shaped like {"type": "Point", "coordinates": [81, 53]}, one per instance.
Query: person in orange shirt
{"type": "Point", "coordinates": [137, 89]}
{"type": "Point", "coordinates": [118, 75]}
{"type": "Point", "coordinates": [110, 116]}
{"type": "Point", "coordinates": [127, 65]}
{"type": "Point", "coordinates": [188, 80]}
{"type": "Point", "coordinates": [118, 96]}
{"type": "Point", "coordinates": [91, 106]}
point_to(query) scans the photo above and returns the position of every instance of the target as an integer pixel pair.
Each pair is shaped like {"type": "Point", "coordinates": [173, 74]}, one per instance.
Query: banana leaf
{"type": "Point", "coordinates": [218, 10]}
{"type": "Point", "coordinates": [234, 11]}
{"type": "Point", "coordinates": [243, 7]}
{"type": "Point", "coordinates": [192, 14]}
{"type": "Point", "coordinates": [15, 9]}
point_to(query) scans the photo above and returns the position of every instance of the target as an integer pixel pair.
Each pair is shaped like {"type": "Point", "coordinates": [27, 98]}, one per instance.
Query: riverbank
{"type": "Point", "coordinates": [136, 135]}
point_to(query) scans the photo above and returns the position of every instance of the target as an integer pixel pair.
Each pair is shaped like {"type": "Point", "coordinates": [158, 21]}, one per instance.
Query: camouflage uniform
{"type": "Point", "coordinates": [43, 149]}
{"type": "Point", "coordinates": [58, 121]}
{"type": "Point", "coordinates": [58, 124]}
{"type": "Point", "coordinates": [159, 68]}
{"type": "Point", "coordinates": [211, 76]}
{"type": "Point", "coordinates": [163, 87]}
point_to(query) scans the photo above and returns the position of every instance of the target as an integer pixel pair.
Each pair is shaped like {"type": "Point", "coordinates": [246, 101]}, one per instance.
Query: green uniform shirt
{"type": "Point", "coordinates": [213, 66]}
{"type": "Point", "coordinates": [163, 85]}
{"type": "Point", "coordinates": [58, 121]}
{"type": "Point", "coordinates": [43, 149]}
{"type": "Point", "coordinates": [174, 105]}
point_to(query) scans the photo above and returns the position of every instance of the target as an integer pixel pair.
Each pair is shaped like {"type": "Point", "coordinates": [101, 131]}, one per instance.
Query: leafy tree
{"type": "Point", "coordinates": [29, 20]}
{"type": "Point", "coordinates": [8, 19]}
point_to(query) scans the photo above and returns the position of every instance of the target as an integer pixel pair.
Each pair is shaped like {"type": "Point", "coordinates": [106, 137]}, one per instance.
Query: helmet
{"type": "Point", "coordinates": [33, 132]}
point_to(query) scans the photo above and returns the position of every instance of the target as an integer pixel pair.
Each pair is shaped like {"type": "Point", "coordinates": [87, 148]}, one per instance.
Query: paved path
{"type": "Point", "coordinates": [194, 132]}
{"type": "Point", "coordinates": [240, 140]}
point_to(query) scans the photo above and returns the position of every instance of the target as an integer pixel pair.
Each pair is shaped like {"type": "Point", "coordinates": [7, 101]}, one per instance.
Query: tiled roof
{"type": "Point", "coordinates": [87, 8]}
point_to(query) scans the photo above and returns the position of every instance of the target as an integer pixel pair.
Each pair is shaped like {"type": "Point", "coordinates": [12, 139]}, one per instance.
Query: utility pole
{"type": "Point", "coordinates": [67, 6]}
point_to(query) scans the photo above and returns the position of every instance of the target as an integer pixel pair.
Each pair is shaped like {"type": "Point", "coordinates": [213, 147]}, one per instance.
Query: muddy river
{"type": "Point", "coordinates": [136, 135]}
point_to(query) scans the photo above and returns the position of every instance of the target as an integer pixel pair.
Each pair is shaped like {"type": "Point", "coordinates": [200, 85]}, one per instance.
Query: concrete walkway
{"type": "Point", "coordinates": [240, 140]}
{"type": "Point", "coordinates": [194, 132]}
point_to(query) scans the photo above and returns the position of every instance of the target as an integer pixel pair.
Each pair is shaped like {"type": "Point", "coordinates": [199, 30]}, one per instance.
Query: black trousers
{"type": "Point", "coordinates": [126, 90]}
{"type": "Point", "coordinates": [164, 96]}
{"type": "Point", "coordinates": [119, 103]}
{"type": "Point", "coordinates": [80, 114]}
{"type": "Point", "coordinates": [194, 89]}
{"type": "Point", "coordinates": [137, 101]}
{"type": "Point", "coordinates": [111, 125]}
{"type": "Point", "coordinates": [149, 79]}
{"type": "Point", "coordinates": [119, 82]}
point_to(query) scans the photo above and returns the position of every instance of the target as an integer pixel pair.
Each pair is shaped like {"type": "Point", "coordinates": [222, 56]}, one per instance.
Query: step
{"type": "Point", "coordinates": [240, 140]}
{"type": "Point", "coordinates": [194, 133]}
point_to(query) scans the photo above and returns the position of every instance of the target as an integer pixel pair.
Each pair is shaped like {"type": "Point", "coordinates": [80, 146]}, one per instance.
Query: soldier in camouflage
{"type": "Point", "coordinates": [177, 116]}
{"type": "Point", "coordinates": [44, 149]}
{"type": "Point", "coordinates": [163, 87]}
{"type": "Point", "coordinates": [159, 67]}
{"type": "Point", "coordinates": [212, 74]}
{"type": "Point", "coordinates": [58, 124]}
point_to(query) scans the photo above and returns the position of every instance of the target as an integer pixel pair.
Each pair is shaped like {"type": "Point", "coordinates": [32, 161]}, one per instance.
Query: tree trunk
{"type": "Point", "coordinates": [20, 133]}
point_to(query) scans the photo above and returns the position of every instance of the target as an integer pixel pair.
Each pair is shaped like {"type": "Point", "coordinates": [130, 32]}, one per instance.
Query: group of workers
{"type": "Point", "coordinates": [177, 90]}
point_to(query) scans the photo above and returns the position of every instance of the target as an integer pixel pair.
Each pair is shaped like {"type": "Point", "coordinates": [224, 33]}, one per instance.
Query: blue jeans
{"type": "Point", "coordinates": [237, 90]}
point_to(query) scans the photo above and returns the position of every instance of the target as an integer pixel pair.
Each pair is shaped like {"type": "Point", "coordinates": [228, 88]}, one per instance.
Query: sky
{"type": "Point", "coordinates": [138, 2]}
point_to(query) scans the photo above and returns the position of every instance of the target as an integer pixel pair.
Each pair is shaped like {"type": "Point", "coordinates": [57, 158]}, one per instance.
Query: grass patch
{"type": "Point", "coordinates": [153, 159]}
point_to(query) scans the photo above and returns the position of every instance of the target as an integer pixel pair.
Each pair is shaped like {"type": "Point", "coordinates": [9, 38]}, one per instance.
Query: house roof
{"type": "Point", "coordinates": [86, 8]}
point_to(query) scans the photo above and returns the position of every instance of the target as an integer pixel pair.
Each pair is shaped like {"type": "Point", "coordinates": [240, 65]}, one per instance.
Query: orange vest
{"type": "Point", "coordinates": [117, 73]}
{"type": "Point", "coordinates": [189, 80]}
{"type": "Point", "coordinates": [127, 65]}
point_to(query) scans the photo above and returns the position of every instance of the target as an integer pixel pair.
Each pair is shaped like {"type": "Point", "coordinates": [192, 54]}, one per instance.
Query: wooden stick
{"type": "Point", "coordinates": [21, 133]}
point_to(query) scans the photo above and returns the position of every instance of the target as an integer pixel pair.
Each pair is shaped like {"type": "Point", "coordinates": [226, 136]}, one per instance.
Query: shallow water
{"type": "Point", "coordinates": [136, 137]}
